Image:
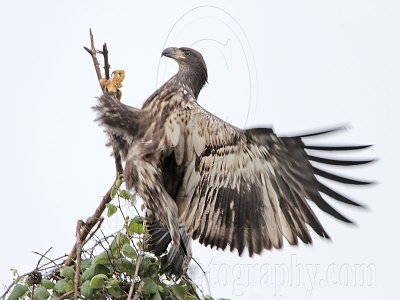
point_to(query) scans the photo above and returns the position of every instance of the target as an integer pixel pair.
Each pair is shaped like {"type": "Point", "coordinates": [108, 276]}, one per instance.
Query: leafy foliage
{"type": "Point", "coordinates": [108, 268]}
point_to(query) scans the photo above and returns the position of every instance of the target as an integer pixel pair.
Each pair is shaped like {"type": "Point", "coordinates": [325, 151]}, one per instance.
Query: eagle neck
{"type": "Point", "coordinates": [192, 78]}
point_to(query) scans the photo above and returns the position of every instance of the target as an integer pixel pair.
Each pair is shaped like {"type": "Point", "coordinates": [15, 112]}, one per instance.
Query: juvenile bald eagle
{"type": "Point", "coordinates": [202, 178]}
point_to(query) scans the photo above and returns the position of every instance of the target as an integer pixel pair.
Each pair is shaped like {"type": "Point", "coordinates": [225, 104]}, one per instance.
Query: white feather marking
{"type": "Point", "coordinates": [273, 221]}
{"type": "Point", "coordinates": [173, 132]}
{"type": "Point", "coordinates": [180, 148]}
{"type": "Point", "coordinates": [189, 148]}
{"type": "Point", "coordinates": [199, 142]}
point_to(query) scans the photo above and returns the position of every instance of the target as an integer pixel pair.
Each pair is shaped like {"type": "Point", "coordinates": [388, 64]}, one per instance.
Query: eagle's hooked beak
{"type": "Point", "coordinates": [174, 53]}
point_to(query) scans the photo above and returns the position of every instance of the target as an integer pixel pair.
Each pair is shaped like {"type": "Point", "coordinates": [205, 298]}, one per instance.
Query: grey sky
{"type": "Point", "coordinates": [295, 64]}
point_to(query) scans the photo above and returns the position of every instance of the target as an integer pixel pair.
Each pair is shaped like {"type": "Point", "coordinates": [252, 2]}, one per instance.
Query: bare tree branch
{"type": "Point", "coordinates": [135, 276]}
{"type": "Point", "coordinates": [93, 231]}
{"type": "Point", "coordinates": [96, 216]}
{"type": "Point", "coordinates": [104, 52]}
{"type": "Point", "coordinates": [44, 255]}
{"type": "Point", "coordinates": [139, 291]}
{"type": "Point", "coordinates": [92, 52]}
{"type": "Point", "coordinates": [93, 220]}
{"type": "Point", "coordinates": [79, 225]}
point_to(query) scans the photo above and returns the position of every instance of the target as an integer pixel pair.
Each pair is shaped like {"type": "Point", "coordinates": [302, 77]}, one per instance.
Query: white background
{"type": "Point", "coordinates": [295, 64]}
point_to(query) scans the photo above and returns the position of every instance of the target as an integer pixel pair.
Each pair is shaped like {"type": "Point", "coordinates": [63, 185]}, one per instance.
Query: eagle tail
{"type": "Point", "coordinates": [179, 256]}
{"type": "Point", "coordinates": [159, 237]}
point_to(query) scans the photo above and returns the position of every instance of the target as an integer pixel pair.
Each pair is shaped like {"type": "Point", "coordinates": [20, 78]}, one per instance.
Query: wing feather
{"type": "Point", "coordinates": [250, 189]}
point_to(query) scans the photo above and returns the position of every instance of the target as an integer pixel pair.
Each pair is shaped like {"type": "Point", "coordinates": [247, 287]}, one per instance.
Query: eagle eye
{"type": "Point", "coordinates": [187, 53]}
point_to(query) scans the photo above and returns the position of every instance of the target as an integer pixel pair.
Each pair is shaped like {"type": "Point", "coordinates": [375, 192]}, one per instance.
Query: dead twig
{"type": "Point", "coordinates": [93, 231]}
{"type": "Point", "coordinates": [92, 221]}
{"type": "Point", "coordinates": [66, 295]}
{"type": "Point", "coordinates": [135, 276]}
{"type": "Point", "coordinates": [92, 52]}
{"type": "Point", "coordinates": [79, 225]}
{"type": "Point", "coordinates": [139, 291]}
{"type": "Point", "coordinates": [42, 256]}
{"type": "Point", "coordinates": [107, 66]}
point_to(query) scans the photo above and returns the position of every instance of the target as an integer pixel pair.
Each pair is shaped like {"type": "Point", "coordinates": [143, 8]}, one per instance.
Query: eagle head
{"type": "Point", "coordinates": [192, 67]}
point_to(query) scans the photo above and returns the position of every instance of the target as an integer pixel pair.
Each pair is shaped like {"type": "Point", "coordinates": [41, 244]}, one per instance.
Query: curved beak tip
{"type": "Point", "coordinates": [170, 52]}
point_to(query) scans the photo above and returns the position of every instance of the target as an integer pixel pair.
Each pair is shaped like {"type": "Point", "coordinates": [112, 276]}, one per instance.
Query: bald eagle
{"type": "Point", "coordinates": [203, 178]}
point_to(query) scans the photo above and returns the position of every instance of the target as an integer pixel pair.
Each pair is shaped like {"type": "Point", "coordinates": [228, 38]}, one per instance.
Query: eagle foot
{"type": "Point", "coordinates": [114, 84]}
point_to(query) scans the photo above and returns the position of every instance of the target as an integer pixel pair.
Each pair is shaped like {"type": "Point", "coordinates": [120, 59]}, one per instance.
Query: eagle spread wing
{"type": "Point", "coordinates": [202, 177]}
{"type": "Point", "coordinates": [247, 188]}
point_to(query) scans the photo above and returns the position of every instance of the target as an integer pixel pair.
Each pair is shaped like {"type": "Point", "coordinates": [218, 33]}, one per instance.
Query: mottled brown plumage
{"type": "Point", "coordinates": [203, 178]}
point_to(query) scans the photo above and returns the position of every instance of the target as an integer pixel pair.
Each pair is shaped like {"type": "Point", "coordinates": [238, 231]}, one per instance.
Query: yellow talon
{"type": "Point", "coordinates": [115, 83]}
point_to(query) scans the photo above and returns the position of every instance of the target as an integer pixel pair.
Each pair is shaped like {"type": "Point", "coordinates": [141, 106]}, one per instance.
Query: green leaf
{"type": "Point", "coordinates": [112, 283]}
{"type": "Point", "coordinates": [118, 182]}
{"type": "Point", "coordinates": [136, 226]}
{"type": "Point", "coordinates": [103, 258]}
{"type": "Point", "coordinates": [116, 292]}
{"type": "Point", "coordinates": [85, 263]}
{"type": "Point", "coordinates": [41, 293]}
{"type": "Point", "coordinates": [60, 286]}
{"type": "Point", "coordinates": [18, 291]}
{"type": "Point", "coordinates": [128, 251]}
{"type": "Point", "coordinates": [86, 290]}
{"type": "Point", "coordinates": [180, 291]}
{"type": "Point", "coordinates": [132, 227]}
{"type": "Point", "coordinates": [111, 209]}
{"type": "Point", "coordinates": [125, 194]}
{"type": "Point", "coordinates": [47, 284]}
{"type": "Point", "coordinates": [118, 242]}
{"type": "Point", "coordinates": [156, 296]}
{"type": "Point", "coordinates": [138, 219]}
{"type": "Point", "coordinates": [153, 270]}
{"type": "Point", "coordinates": [67, 272]}
{"type": "Point", "coordinates": [125, 265]}
{"type": "Point", "coordinates": [150, 287]}
{"type": "Point", "coordinates": [88, 273]}
{"type": "Point", "coordinates": [69, 286]}
{"type": "Point", "coordinates": [98, 281]}
{"type": "Point", "coordinates": [101, 269]}
{"type": "Point", "coordinates": [115, 188]}
{"type": "Point", "coordinates": [94, 270]}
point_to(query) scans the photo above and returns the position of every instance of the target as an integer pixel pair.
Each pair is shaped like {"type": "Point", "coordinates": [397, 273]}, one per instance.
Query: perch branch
{"type": "Point", "coordinates": [96, 216]}
{"type": "Point", "coordinates": [104, 52]}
